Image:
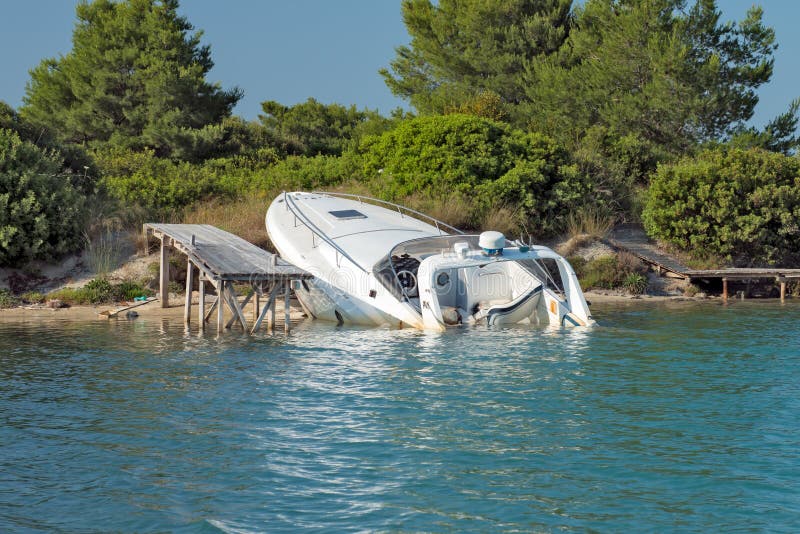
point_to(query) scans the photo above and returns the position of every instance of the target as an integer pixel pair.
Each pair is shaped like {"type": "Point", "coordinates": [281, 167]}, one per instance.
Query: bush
{"type": "Point", "coordinates": [611, 272]}
{"type": "Point", "coordinates": [7, 299]}
{"type": "Point", "coordinates": [600, 273]}
{"type": "Point", "coordinates": [41, 212]}
{"type": "Point", "coordinates": [100, 291]}
{"type": "Point", "coordinates": [437, 156]}
{"type": "Point", "coordinates": [161, 185]}
{"type": "Point", "coordinates": [743, 206]}
{"type": "Point", "coordinates": [635, 283]}
{"type": "Point", "coordinates": [141, 178]}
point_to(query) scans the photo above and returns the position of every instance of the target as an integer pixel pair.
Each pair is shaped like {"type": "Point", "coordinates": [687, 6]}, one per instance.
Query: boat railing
{"type": "Point", "coordinates": [400, 209]}
{"type": "Point", "coordinates": [316, 231]}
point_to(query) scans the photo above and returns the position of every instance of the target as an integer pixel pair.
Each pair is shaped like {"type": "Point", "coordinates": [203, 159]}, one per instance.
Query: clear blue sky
{"type": "Point", "coordinates": [289, 50]}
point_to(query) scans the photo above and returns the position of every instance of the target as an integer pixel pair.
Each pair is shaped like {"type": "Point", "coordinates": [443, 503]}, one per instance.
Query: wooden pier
{"type": "Point", "coordinates": [633, 239]}
{"type": "Point", "coordinates": [223, 259]}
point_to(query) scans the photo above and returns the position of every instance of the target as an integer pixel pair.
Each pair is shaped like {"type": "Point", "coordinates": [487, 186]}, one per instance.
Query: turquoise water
{"type": "Point", "coordinates": [665, 418]}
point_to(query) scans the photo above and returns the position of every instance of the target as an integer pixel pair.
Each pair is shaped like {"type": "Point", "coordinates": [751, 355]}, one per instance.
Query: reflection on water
{"type": "Point", "coordinates": [663, 418]}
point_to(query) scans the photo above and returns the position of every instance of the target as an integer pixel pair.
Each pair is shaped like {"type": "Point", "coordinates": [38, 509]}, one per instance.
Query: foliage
{"type": "Point", "coordinates": [163, 186]}
{"type": "Point", "coordinates": [41, 212]}
{"type": "Point", "coordinates": [157, 184]}
{"type": "Point", "coordinates": [462, 48]}
{"type": "Point", "coordinates": [303, 173]}
{"type": "Point", "coordinates": [668, 74]}
{"type": "Point", "coordinates": [590, 221]}
{"type": "Point", "coordinates": [610, 272]}
{"type": "Point", "coordinates": [493, 164]}
{"type": "Point", "coordinates": [134, 78]}
{"type": "Point", "coordinates": [741, 205]}
{"type": "Point", "coordinates": [779, 135]}
{"type": "Point", "coordinates": [7, 299]}
{"type": "Point", "coordinates": [635, 283]}
{"type": "Point", "coordinates": [100, 291]}
{"type": "Point", "coordinates": [312, 128]}
{"type": "Point", "coordinates": [600, 273]}
{"type": "Point", "coordinates": [103, 252]}
{"type": "Point", "coordinates": [76, 163]}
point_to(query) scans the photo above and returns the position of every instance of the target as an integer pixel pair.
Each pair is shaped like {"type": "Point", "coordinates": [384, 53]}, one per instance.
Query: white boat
{"type": "Point", "coordinates": [375, 262]}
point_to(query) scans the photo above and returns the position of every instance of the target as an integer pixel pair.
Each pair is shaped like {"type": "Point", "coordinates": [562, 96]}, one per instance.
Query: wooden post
{"type": "Point", "coordinates": [256, 302]}
{"type": "Point", "coordinates": [201, 316]}
{"type": "Point", "coordinates": [783, 288]}
{"type": "Point", "coordinates": [272, 304]}
{"type": "Point", "coordinates": [725, 290]}
{"type": "Point", "coordinates": [187, 311]}
{"type": "Point", "coordinates": [163, 281]}
{"type": "Point", "coordinates": [287, 325]}
{"type": "Point", "coordinates": [220, 305]}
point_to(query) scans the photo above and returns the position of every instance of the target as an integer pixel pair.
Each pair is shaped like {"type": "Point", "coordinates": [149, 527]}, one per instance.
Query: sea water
{"type": "Point", "coordinates": [663, 418]}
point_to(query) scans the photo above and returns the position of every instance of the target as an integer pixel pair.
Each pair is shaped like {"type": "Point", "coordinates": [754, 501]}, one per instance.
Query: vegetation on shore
{"type": "Point", "coordinates": [534, 118]}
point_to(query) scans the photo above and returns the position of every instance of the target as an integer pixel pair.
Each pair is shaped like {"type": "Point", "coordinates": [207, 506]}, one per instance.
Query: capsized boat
{"type": "Point", "coordinates": [376, 262]}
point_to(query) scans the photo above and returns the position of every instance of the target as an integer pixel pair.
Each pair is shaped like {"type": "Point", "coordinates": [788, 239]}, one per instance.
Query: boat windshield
{"type": "Point", "coordinates": [398, 271]}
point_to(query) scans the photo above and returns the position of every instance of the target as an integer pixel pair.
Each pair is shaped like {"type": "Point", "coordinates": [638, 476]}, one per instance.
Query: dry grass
{"type": "Point", "coordinates": [630, 263]}
{"type": "Point", "coordinates": [244, 218]}
{"type": "Point", "coordinates": [573, 244]}
{"type": "Point", "coordinates": [502, 219]}
{"type": "Point", "coordinates": [590, 221]}
{"type": "Point", "coordinates": [454, 209]}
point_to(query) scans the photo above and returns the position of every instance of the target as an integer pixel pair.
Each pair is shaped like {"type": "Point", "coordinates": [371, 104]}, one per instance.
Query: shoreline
{"type": "Point", "coordinates": [152, 310]}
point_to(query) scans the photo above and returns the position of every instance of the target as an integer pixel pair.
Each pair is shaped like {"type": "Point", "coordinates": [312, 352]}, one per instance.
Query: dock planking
{"type": "Point", "coordinates": [632, 238]}
{"type": "Point", "coordinates": [223, 258]}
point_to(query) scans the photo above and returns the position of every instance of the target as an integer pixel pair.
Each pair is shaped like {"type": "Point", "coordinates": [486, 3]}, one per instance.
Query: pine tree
{"type": "Point", "coordinates": [134, 78]}
{"type": "Point", "coordinates": [460, 49]}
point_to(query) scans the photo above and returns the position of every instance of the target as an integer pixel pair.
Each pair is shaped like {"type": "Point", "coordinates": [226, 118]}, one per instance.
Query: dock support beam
{"type": "Point", "coordinates": [782, 281]}
{"type": "Point", "coordinates": [201, 304]}
{"type": "Point", "coordinates": [163, 282]}
{"type": "Point", "coordinates": [220, 305]}
{"type": "Point", "coordinates": [187, 311]}
{"type": "Point", "coordinates": [725, 290]}
{"type": "Point", "coordinates": [256, 303]}
{"type": "Point", "coordinates": [287, 325]}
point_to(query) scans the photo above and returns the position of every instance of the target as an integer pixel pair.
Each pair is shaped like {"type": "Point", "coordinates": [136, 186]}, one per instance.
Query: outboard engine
{"type": "Point", "coordinates": [492, 243]}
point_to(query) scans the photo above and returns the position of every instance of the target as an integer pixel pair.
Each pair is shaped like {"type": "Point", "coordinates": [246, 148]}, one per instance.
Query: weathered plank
{"type": "Point", "coordinates": [224, 256]}
{"type": "Point", "coordinates": [633, 239]}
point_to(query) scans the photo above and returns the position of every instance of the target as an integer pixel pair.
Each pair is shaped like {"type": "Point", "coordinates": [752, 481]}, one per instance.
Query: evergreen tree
{"type": "Point", "coordinates": [461, 48]}
{"type": "Point", "coordinates": [135, 78]}
{"type": "Point", "coordinates": [312, 128]}
{"type": "Point", "coordinates": [672, 76]}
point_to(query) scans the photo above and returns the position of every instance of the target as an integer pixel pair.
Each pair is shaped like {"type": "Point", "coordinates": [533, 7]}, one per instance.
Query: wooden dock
{"type": "Point", "coordinates": [633, 239]}
{"type": "Point", "coordinates": [223, 259]}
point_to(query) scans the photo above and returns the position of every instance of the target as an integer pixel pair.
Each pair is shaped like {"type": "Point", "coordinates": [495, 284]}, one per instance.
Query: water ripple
{"type": "Point", "coordinates": [665, 418]}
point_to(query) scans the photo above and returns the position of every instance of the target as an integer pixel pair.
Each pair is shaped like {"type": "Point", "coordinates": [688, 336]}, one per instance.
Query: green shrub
{"type": "Point", "coordinates": [743, 206]}
{"type": "Point", "coordinates": [437, 156]}
{"type": "Point", "coordinates": [41, 212]}
{"type": "Point", "coordinates": [635, 283]}
{"type": "Point", "coordinates": [100, 291]}
{"type": "Point", "coordinates": [161, 185]}
{"type": "Point", "coordinates": [621, 271]}
{"type": "Point", "coordinates": [128, 291]}
{"type": "Point", "coordinates": [156, 183]}
{"type": "Point", "coordinates": [599, 273]}
{"type": "Point", "coordinates": [7, 299]}
{"type": "Point", "coordinates": [33, 297]}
